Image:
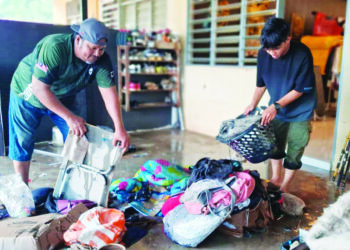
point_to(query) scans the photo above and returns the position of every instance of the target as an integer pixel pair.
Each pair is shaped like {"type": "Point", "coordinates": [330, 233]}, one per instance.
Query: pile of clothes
{"type": "Point", "coordinates": [219, 195]}
{"type": "Point", "coordinates": [190, 201]}
{"type": "Point", "coordinates": [194, 201]}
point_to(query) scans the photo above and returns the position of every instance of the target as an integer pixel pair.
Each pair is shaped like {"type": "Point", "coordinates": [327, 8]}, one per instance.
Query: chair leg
{"type": "Point", "coordinates": [329, 99]}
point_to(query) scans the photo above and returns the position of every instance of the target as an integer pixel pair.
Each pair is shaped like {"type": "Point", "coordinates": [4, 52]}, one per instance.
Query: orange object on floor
{"type": "Point", "coordinates": [97, 227]}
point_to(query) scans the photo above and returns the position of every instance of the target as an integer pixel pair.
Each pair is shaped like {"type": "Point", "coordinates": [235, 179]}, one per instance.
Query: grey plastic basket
{"type": "Point", "coordinates": [256, 143]}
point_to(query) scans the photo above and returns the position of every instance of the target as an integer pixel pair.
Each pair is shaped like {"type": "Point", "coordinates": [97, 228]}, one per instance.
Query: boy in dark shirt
{"type": "Point", "coordinates": [285, 69]}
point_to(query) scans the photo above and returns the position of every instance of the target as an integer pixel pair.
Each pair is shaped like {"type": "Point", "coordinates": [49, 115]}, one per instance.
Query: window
{"type": "Point", "coordinates": [40, 11]}
{"type": "Point", "coordinates": [74, 13]}
{"type": "Point", "coordinates": [63, 12]}
{"type": "Point", "coordinates": [226, 32]}
{"type": "Point", "coordinates": [130, 14]}
{"type": "Point", "coordinates": [145, 15]}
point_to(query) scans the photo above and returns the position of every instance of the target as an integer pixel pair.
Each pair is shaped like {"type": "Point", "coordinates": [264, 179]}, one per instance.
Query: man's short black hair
{"type": "Point", "coordinates": [274, 33]}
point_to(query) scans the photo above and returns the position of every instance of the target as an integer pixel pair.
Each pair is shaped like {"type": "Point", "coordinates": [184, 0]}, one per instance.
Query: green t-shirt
{"type": "Point", "coordinates": [54, 63]}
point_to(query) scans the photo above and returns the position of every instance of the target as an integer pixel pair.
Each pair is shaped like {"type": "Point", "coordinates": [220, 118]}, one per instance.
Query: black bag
{"type": "Point", "coordinates": [275, 199]}
{"type": "Point", "coordinates": [206, 168]}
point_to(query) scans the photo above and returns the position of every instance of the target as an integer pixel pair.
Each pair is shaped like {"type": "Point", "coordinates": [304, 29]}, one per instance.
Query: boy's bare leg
{"type": "Point", "coordinates": [288, 177]}
{"type": "Point", "coordinates": [277, 168]}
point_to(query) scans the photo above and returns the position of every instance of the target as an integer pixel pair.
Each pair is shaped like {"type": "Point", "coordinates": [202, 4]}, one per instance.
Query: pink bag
{"type": "Point", "coordinates": [243, 186]}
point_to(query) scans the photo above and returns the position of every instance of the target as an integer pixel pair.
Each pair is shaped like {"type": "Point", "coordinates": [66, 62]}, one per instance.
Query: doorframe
{"type": "Point", "coordinates": [340, 134]}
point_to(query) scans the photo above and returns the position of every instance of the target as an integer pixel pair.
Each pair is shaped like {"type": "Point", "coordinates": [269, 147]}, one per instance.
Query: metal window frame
{"type": "Point", "coordinates": [119, 20]}
{"type": "Point", "coordinates": [214, 30]}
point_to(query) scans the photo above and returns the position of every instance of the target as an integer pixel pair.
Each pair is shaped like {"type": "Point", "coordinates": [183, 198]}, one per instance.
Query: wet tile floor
{"type": "Point", "coordinates": [312, 185]}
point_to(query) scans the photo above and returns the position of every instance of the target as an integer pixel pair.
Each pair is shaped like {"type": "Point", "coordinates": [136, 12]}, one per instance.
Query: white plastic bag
{"type": "Point", "coordinates": [16, 196]}
{"type": "Point", "coordinates": [96, 228]}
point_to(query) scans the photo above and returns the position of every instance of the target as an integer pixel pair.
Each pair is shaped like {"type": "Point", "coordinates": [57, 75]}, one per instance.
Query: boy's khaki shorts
{"type": "Point", "coordinates": [293, 135]}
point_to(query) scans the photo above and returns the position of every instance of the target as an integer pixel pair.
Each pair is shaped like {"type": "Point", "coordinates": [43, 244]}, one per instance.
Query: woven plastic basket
{"type": "Point", "coordinates": [255, 143]}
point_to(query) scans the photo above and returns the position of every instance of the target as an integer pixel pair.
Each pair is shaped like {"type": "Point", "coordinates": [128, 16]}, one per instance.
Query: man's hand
{"type": "Point", "coordinates": [122, 137]}
{"type": "Point", "coordinates": [43, 92]}
{"type": "Point", "coordinates": [76, 124]}
{"type": "Point", "coordinates": [268, 115]}
{"type": "Point", "coordinates": [258, 93]}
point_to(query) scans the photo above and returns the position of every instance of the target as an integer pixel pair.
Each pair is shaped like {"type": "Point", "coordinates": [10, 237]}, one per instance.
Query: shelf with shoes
{"type": "Point", "coordinates": [148, 70]}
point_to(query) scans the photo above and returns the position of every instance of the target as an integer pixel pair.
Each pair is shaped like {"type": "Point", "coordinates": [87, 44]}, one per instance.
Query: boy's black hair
{"type": "Point", "coordinates": [274, 33]}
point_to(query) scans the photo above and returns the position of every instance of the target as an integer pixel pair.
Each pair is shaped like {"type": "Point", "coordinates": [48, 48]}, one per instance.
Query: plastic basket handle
{"type": "Point", "coordinates": [256, 111]}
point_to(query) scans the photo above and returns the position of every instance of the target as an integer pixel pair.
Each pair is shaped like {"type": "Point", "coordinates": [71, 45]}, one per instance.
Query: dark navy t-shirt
{"type": "Point", "coordinates": [293, 71]}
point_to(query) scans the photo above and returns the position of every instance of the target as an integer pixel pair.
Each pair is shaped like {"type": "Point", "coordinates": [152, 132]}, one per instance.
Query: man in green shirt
{"type": "Point", "coordinates": [47, 80]}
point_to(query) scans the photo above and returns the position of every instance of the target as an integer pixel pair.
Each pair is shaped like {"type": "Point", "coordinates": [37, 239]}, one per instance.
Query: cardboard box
{"type": "Point", "coordinates": [37, 232]}
{"type": "Point", "coordinates": [165, 45]}
{"type": "Point", "coordinates": [21, 233]}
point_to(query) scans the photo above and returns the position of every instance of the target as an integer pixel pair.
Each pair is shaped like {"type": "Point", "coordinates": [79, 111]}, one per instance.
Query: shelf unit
{"type": "Point", "coordinates": [125, 76]}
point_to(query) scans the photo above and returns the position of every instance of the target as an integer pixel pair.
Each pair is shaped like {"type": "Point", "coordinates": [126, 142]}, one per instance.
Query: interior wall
{"type": "Point", "coordinates": [93, 8]}
{"type": "Point", "coordinates": [215, 94]}
{"type": "Point", "coordinates": [210, 94]}
{"type": "Point", "coordinates": [176, 9]}
{"type": "Point", "coordinates": [305, 7]}
{"type": "Point", "coordinates": [60, 13]}
{"type": "Point", "coordinates": [343, 118]}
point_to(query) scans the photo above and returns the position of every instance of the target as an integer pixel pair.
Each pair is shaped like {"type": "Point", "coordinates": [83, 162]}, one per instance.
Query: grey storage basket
{"type": "Point", "coordinates": [255, 143]}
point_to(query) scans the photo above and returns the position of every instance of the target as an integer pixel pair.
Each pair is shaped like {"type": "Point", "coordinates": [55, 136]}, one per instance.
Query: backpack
{"type": "Point", "coordinates": [248, 221]}
{"type": "Point", "coordinates": [270, 192]}
{"type": "Point", "coordinates": [253, 218]}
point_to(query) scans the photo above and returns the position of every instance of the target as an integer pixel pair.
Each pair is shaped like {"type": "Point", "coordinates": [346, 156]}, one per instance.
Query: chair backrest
{"type": "Point", "coordinates": [87, 177]}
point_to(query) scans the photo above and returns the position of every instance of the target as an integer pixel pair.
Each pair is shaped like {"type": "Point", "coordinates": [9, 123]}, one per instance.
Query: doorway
{"type": "Point", "coordinates": [321, 148]}
{"type": "Point", "coordinates": [322, 125]}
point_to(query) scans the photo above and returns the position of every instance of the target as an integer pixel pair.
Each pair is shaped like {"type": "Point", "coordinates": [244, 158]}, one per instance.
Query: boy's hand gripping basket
{"type": "Point", "coordinates": [248, 137]}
